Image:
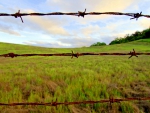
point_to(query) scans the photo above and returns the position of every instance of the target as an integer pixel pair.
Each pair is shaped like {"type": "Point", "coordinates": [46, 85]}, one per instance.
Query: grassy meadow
{"type": "Point", "coordinates": [45, 79]}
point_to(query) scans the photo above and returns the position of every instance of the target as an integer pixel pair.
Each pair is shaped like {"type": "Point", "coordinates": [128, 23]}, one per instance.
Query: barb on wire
{"type": "Point", "coordinates": [55, 103]}
{"type": "Point", "coordinates": [79, 13]}
{"type": "Point", "coordinates": [136, 16]}
{"type": "Point", "coordinates": [12, 55]}
{"type": "Point", "coordinates": [75, 55]}
{"type": "Point", "coordinates": [110, 100]}
{"type": "Point", "coordinates": [18, 14]}
{"type": "Point", "coordinates": [132, 54]}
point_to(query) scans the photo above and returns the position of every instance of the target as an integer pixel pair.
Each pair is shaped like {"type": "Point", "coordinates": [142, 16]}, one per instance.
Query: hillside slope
{"type": "Point", "coordinates": [139, 45]}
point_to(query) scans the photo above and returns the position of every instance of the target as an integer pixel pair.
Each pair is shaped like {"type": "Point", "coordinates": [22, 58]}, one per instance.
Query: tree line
{"type": "Point", "coordinates": [135, 36]}
{"type": "Point", "coordinates": [128, 38]}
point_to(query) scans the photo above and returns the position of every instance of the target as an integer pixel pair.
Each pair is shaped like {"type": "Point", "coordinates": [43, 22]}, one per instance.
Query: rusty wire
{"type": "Point", "coordinates": [79, 13]}
{"type": "Point", "coordinates": [55, 103]}
{"type": "Point", "coordinates": [12, 55]}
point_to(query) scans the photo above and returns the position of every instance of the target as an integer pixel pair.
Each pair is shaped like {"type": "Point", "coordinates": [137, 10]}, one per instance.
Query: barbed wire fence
{"type": "Point", "coordinates": [72, 54]}
{"type": "Point", "coordinates": [131, 53]}
{"type": "Point", "coordinates": [79, 14]}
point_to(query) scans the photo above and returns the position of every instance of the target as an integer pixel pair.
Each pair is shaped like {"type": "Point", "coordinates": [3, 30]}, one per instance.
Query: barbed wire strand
{"type": "Point", "coordinates": [12, 55]}
{"type": "Point", "coordinates": [55, 103]}
{"type": "Point", "coordinates": [79, 14]}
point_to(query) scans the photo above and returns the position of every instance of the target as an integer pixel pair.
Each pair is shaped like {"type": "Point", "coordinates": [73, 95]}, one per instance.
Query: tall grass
{"type": "Point", "coordinates": [45, 79]}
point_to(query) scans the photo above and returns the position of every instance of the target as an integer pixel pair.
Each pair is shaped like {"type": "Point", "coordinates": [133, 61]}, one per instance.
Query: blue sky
{"type": "Point", "coordinates": [70, 31]}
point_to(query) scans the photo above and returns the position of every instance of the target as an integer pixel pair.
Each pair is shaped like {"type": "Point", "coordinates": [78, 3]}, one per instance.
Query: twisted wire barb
{"type": "Point", "coordinates": [55, 103]}
{"type": "Point", "coordinates": [12, 55]}
{"type": "Point", "coordinates": [79, 13]}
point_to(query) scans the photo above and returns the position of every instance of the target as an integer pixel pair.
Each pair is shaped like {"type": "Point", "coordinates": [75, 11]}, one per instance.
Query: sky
{"type": "Point", "coordinates": [64, 31]}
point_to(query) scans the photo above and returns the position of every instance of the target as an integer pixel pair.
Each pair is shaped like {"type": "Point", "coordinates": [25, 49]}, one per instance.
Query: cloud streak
{"type": "Point", "coordinates": [9, 30]}
{"type": "Point", "coordinates": [47, 44]}
{"type": "Point", "coordinates": [53, 27]}
{"type": "Point", "coordinates": [71, 31]}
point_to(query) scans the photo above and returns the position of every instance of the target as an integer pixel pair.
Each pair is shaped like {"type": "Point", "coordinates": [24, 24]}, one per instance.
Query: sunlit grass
{"type": "Point", "coordinates": [45, 79]}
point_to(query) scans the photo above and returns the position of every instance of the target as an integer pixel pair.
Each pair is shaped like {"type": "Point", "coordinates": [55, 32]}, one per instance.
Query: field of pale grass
{"type": "Point", "coordinates": [45, 79]}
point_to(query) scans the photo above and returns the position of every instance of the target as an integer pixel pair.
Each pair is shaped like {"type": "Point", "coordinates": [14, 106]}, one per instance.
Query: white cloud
{"type": "Point", "coordinates": [49, 25]}
{"type": "Point", "coordinates": [71, 31]}
{"type": "Point", "coordinates": [112, 6]}
{"type": "Point", "coordinates": [9, 30]}
{"type": "Point", "coordinates": [77, 41]}
{"type": "Point", "coordinates": [90, 29]}
{"type": "Point", "coordinates": [144, 23]}
{"type": "Point", "coordinates": [92, 6]}
{"type": "Point", "coordinates": [1, 6]}
{"type": "Point", "coordinates": [56, 44]}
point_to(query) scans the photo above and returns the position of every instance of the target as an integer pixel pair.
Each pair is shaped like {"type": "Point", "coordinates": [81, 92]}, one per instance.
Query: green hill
{"type": "Point", "coordinates": [45, 79]}
{"type": "Point", "coordinates": [139, 45]}
{"type": "Point", "coordinates": [145, 34]}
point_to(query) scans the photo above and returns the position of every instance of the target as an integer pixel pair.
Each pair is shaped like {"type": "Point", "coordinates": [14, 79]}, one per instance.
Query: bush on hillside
{"type": "Point", "coordinates": [98, 44]}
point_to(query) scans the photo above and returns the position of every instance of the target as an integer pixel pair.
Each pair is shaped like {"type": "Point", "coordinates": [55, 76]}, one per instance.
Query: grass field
{"type": "Point", "coordinates": [43, 79]}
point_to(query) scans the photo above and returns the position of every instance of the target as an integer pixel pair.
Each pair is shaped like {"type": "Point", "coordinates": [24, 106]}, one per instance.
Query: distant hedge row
{"type": "Point", "coordinates": [135, 36]}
